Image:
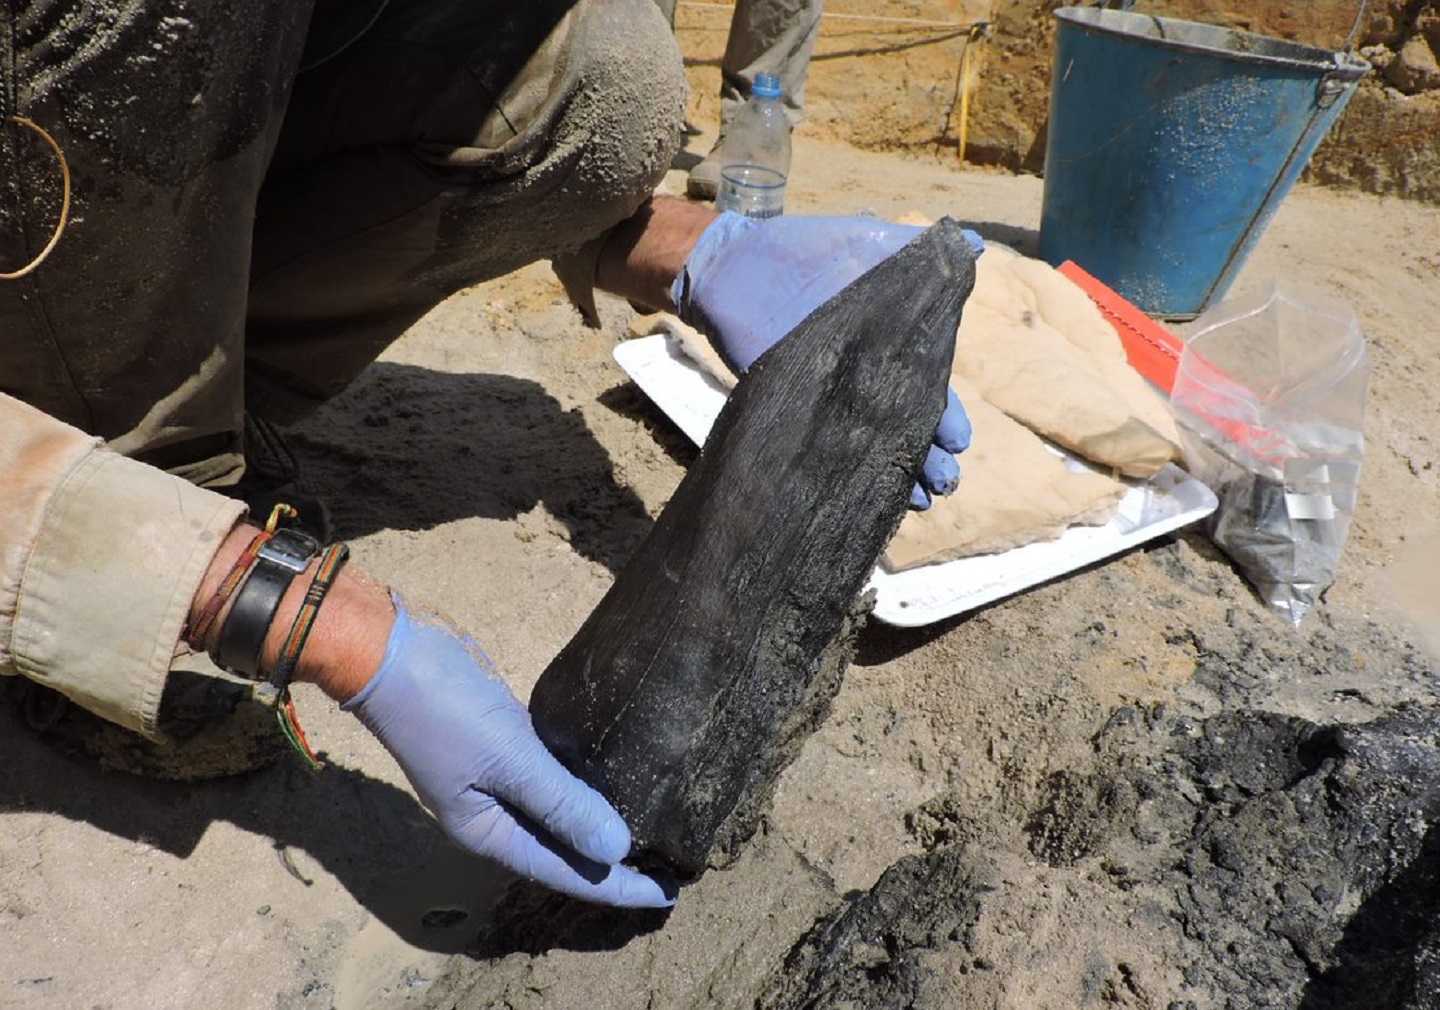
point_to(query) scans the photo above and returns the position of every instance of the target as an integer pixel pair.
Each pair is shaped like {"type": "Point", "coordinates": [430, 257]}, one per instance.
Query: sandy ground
{"type": "Point", "coordinates": [498, 464]}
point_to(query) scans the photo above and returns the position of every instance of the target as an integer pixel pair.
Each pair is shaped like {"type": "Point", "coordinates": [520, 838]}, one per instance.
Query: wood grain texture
{"type": "Point", "coordinates": [720, 646]}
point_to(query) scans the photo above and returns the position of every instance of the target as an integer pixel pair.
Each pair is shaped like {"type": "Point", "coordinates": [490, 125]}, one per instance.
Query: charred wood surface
{"type": "Point", "coordinates": [695, 680]}
{"type": "Point", "coordinates": [871, 952]}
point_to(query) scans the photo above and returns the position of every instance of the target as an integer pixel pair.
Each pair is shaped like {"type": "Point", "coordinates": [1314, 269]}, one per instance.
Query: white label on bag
{"type": "Point", "coordinates": [1310, 506]}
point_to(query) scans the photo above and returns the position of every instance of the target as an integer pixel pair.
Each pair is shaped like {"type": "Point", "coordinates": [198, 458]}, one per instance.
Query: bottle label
{"type": "Point", "coordinates": [752, 190]}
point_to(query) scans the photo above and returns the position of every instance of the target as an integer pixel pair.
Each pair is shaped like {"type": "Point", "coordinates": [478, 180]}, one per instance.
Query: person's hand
{"type": "Point", "coordinates": [468, 748]}
{"type": "Point", "coordinates": [747, 283]}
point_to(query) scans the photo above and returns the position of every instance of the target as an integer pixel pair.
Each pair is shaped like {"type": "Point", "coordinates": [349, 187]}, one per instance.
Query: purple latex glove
{"type": "Point", "coordinates": [467, 746]}
{"type": "Point", "coordinates": [749, 282]}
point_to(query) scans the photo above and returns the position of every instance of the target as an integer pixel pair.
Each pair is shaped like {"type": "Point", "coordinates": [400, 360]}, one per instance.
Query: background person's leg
{"type": "Point", "coordinates": [769, 36]}
{"type": "Point", "coordinates": [453, 143]}
{"type": "Point", "coordinates": [766, 36]}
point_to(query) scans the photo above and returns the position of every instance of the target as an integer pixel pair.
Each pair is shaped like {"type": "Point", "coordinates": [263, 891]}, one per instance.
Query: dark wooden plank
{"type": "Point", "coordinates": [721, 644]}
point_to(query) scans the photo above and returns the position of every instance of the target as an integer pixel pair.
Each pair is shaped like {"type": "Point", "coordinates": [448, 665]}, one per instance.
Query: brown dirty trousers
{"type": "Point", "coordinates": [267, 193]}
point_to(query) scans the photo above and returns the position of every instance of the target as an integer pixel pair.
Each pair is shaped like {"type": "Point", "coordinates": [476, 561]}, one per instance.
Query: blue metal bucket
{"type": "Point", "coordinates": [1170, 146]}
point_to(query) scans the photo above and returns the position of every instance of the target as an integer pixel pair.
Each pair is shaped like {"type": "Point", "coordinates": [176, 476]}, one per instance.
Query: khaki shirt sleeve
{"type": "Point", "coordinates": [100, 557]}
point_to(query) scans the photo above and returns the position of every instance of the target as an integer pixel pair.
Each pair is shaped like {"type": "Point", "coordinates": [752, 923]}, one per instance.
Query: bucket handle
{"type": "Point", "coordinates": [1348, 47]}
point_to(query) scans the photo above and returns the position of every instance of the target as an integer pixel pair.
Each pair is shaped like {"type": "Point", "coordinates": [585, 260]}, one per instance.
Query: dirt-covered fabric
{"type": "Point", "coordinates": [245, 231]}
{"type": "Point", "coordinates": [248, 231]}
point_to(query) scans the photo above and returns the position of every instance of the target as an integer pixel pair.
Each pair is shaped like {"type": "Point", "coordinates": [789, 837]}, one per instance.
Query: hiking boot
{"type": "Point", "coordinates": [704, 180]}
{"type": "Point", "coordinates": [272, 475]}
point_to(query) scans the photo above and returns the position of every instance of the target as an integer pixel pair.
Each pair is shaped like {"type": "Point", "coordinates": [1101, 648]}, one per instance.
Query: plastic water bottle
{"type": "Point", "coordinates": [755, 157]}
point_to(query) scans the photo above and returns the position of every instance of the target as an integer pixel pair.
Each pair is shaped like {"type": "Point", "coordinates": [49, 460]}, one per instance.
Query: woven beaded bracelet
{"type": "Point", "coordinates": [276, 690]}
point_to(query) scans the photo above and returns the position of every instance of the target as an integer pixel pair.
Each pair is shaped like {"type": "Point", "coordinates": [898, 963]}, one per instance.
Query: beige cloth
{"type": "Point", "coordinates": [1064, 305]}
{"type": "Point", "coordinates": [689, 341]}
{"type": "Point", "coordinates": [1069, 390]}
{"type": "Point", "coordinates": [1013, 491]}
{"type": "Point", "coordinates": [101, 558]}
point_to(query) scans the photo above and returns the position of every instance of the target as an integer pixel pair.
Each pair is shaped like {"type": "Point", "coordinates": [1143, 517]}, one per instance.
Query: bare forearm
{"type": "Point", "coordinates": [647, 251]}
{"type": "Point", "coordinates": [347, 641]}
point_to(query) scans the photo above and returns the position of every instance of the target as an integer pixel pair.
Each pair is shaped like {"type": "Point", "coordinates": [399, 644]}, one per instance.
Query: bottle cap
{"type": "Point", "coordinates": [766, 86]}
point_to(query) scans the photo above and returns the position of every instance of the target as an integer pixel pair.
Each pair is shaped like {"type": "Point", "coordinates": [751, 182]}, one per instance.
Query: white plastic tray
{"type": "Point", "coordinates": [1169, 500]}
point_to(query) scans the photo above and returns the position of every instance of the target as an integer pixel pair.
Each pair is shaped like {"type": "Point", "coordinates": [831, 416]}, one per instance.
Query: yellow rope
{"type": "Point", "coordinates": [64, 200]}
{"type": "Point", "coordinates": [967, 80]}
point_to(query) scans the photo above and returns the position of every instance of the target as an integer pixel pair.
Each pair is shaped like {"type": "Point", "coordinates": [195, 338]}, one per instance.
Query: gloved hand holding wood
{"type": "Point", "coordinates": [715, 654]}
{"type": "Point", "coordinates": [467, 746]}
{"type": "Point", "coordinates": [749, 282]}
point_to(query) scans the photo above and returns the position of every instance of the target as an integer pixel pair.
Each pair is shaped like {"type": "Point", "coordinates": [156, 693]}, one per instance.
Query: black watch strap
{"type": "Point", "coordinates": [283, 557]}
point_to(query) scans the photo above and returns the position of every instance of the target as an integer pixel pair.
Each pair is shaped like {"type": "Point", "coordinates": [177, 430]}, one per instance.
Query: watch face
{"type": "Point", "coordinates": [290, 549]}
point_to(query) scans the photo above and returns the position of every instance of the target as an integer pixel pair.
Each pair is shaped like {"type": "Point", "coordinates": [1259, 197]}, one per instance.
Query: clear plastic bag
{"type": "Point", "coordinates": [1270, 400]}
